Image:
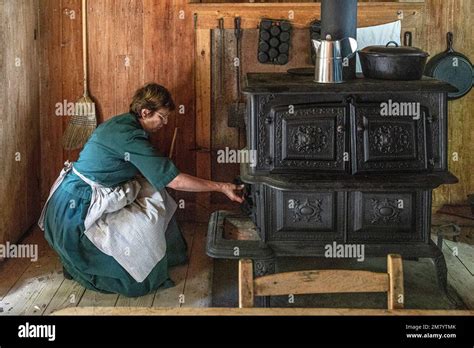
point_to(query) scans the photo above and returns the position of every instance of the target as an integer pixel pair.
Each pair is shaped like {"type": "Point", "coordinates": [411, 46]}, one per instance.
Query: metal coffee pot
{"type": "Point", "coordinates": [331, 57]}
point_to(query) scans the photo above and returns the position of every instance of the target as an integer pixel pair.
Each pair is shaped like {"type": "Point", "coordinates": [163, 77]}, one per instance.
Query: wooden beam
{"type": "Point", "coordinates": [256, 311]}
{"type": "Point", "coordinates": [301, 14]}
{"type": "Point", "coordinates": [246, 283]}
{"type": "Point", "coordinates": [396, 294]}
{"type": "Point", "coordinates": [320, 282]}
{"type": "Point", "coordinates": [203, 117]}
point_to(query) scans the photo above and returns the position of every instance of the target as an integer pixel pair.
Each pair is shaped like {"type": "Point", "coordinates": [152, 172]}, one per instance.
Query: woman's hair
{"type": "Point", "coordinates": [153, 97]}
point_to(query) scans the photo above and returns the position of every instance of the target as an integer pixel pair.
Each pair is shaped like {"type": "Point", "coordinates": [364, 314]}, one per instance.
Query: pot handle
{"type": "Point", "coordinates": [450, 39]}
{"type": "Point", "coordinates": [391, 42]}
{"type": "Point", "coordinates": [408, 39]}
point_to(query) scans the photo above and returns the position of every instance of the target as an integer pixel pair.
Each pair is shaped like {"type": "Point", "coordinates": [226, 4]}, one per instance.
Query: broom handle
{"type": "Point", "coordinates": [173, 143]}
{"type": "Point", "coordinates": [84, 44]}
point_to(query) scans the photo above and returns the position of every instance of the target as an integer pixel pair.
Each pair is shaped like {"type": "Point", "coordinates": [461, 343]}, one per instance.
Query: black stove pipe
{"type": "Point", "coordinates": [339, 19]}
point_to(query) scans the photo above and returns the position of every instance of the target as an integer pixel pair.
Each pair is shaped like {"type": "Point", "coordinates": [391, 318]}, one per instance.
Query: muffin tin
{"type": "Point", "coordinates": [274, 43]}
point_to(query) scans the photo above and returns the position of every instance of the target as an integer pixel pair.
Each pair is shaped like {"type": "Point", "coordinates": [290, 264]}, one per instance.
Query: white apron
{"type": "Point", "coordinates": [127, 222]}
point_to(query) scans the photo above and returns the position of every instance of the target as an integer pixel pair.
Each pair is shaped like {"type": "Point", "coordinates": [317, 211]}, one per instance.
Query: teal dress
{"type": "Point", "coordinates": [117, 152]}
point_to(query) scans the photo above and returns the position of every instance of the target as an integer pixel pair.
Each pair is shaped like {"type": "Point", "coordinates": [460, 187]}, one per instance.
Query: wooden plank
{"type": "Point", "coordinates": [169, 60]}
{"type": "Point", "coordinates": [51, 127]}
{"type": "Point", "coordinates": [320, 281]}
{"type": "Point", "coordinates": [102, 56]}
{"type": "Point", "coordinates": [443, 16]}
{"type": "Point", "coordinates": [53, 278]}
{"type": "Point", "coordinates": [19, 203]}
{"type": "Point", "coordinates": [33, 290]}
{"type": "Point", "coordinates": [259, 312]}
{"type": "Point", "coordinates": [129, 65]}
{"type": "Point", "coordinates": [31, 138]}
{"type": "Point", "coordinates": [396, 294]}
{"type": "Point", "coordinates": [224, 94]}
{"type": "Point", "coordinates": [464, 252]}
{"type": "Point", "coordinates": [68, 295]}
{"type": "Point", "coordinates": [4, 214]}
{"type": "Point", "coordinates": [197, 288]}
{"type": "Point", "coordinates": [203, 117]}
{"type": "Point", "coordinates": [142, 301]}
{"type": "Point", "coordinates": [173, 297]}
{"type": "Point", "coordinates": [93, 298]}
{"type": "Point", "coordinates": [301, 14]}
{"type": "Point", "coordinates": [459, 277]}
{"type": "Point", "coordinates": [71, 60]}
{"type": "Point", "coordinates": [12, 269]}
{"type": "Point", "coordinates": [246, 291]}
{"type": "Point", "coordinates": [460, 131]}
{"type": "Point", "coordinates": [203, 89]}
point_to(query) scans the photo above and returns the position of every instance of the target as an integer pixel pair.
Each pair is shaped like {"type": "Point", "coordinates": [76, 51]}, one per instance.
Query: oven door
{"type": "Point", "coordinates": [388, 143]}
{"type": "Point", "coordinates": [309, 137]}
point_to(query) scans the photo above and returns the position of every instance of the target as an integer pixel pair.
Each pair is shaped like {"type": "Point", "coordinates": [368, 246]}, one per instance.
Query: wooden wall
{"type": "Point", "coordinates": [135, 41]}
{"type": "Point", "coordinates": [131, 42]}
{"type": "Point", "coordinates": [19, 121]}
{"type": "Point", "coordinates": [455, 16]}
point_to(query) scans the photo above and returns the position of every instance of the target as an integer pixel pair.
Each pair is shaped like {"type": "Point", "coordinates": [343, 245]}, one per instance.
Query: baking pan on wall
{"type": "Point", "coordinates": [274, 42]}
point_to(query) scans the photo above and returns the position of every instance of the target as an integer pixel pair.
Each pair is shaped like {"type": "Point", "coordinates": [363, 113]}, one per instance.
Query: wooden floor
{"type": "Point", "coordinates": [39, 288]}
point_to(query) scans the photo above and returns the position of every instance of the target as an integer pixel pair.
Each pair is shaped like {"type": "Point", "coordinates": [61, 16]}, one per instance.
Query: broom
{"type": "Point", "coordinates": [173, 143]}
{"type": "Point", "coordinates": [84, 121]}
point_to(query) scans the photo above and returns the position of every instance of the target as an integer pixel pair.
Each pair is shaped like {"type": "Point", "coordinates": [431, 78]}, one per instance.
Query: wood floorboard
{"type": "Point", "coordinates": [173, 297]}
{"type": "Point", "coordinates": [68, 295]}
{"type": "Point", "coordinates": [12, 269]}
{"type": "Point", "coordinates": [198, 285]}
{"type": "Point", "coordinates": [37, 288]}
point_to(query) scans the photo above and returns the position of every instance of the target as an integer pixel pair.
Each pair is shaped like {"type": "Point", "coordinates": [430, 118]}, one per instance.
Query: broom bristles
{"type": "Point", "coordinates": [81, 126]}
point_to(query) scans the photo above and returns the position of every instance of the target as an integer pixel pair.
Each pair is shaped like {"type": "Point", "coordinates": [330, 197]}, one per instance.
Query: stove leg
{"type": "Point", "coordinates": [441, 272]}
{"type": "Point", "coordinates": [262, 268]}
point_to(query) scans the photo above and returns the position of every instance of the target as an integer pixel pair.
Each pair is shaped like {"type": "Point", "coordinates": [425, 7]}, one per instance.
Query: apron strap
{"type": "Point", "coordinates": [67, 168]}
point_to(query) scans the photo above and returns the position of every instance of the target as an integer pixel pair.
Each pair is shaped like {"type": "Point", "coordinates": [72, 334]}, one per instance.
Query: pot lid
{"type": "Point", "coordinates": [392, 49]}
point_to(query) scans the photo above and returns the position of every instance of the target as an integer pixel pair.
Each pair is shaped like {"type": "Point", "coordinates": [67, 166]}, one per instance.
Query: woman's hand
{"type": "Point", "coordinates": [185, 182]}
{"type": "Point", "coordinates": [233, 192]}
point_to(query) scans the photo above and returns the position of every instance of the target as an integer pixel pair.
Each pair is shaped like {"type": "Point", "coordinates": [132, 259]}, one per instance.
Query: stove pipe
{"type": "Point", "coordinates": [339, 19]}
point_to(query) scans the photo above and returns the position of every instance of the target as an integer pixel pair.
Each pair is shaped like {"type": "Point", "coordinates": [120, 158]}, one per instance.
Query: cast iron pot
{"type": "Point", "coordinates": [393, 62]}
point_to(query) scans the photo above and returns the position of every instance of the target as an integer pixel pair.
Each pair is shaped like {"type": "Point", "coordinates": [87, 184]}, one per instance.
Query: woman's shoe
{"type": "Point", "coordinates": [66, 274]}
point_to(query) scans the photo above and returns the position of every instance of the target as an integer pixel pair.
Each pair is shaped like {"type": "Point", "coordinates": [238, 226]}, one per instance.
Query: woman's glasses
{"type": "Point", "coordinates": [164, 117]}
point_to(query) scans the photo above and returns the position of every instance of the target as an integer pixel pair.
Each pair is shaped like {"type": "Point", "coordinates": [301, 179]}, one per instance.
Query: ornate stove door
{"type": "Point", "coordinates": [309, 137]}
{"type": "Point", "coordinates": [388, 143]}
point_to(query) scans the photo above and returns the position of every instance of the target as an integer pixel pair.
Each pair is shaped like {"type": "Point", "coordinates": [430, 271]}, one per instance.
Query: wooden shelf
{"type": "Point", "coordinates": [300, 14]}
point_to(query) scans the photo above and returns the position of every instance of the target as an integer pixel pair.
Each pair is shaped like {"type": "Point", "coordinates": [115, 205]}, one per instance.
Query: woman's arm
{"type": "Point", "coordinates": [185, 182]}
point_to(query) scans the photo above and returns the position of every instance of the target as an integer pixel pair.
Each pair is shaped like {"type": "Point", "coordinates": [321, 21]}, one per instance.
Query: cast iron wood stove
{"type": "Point", "coordinates": [330, 168]}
